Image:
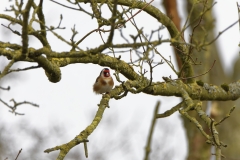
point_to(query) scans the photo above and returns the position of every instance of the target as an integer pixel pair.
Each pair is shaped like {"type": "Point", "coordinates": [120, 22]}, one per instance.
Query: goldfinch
{"type": "Point", "coordinates": [104, 82]}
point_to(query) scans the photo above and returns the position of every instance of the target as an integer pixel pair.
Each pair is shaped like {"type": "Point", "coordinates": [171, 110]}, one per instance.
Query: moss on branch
{"type": "Point", "coordinates": [55, 60]}
{"type": "Point", "coordinates": [194, 91]}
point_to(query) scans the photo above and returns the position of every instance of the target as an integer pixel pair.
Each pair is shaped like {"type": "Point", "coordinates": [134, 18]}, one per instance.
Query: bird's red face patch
{"type": "Point", "coordinates": [106, 73]}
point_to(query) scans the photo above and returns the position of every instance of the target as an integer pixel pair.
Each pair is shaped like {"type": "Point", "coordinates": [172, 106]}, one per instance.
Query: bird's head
{"type": "Point", "coordinates": [105, 73]}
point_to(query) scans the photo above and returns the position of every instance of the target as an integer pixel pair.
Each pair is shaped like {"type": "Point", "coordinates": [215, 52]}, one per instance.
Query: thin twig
{"type": "Point", "coordinates": [8, 27]}
{"type": "Point", "coordinates": [238, 7]}
{"type": "Point", "coordinates": [170, 111]}
{"type": "Point", "coordinates": [18, 154]}
{"type": "Point", "coordinates": [8, 88]}
{"type": "Point", "coordinates": [195, 27]}
{"type": "Point", "coordinates": [227, 116]}
{"type": "Point", "coordinates": [121, 34]}
{"type": "Point", "coordinates": [220, 33]}
{"type": "Point", "coordinates": [23, 69]}
{"type": "Point", "coordinates": [65, 5]}
{"type": "Point", "coordinates": [85, 149]}
{"type": "Point", "coordinates": [135, 14]}
{"type": "Point", "coordinates": [100, 33]}
{"type": "Point", "coordinates": [197, 75]}
{"type": "Point", "coordinates": [117, 26]}
{"type": "Point", "coordinates": [212, 129]}
{"type": "Point", "coordinates": [148, 145]}
{"type": "Point", "coordinates": [16, 104]}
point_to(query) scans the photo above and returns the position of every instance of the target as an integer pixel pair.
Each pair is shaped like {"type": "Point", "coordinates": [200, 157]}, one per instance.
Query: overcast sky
{"type": "Point", "coordinates": [71, 103]}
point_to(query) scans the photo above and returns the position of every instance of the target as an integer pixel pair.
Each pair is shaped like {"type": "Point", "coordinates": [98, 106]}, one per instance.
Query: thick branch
{"type": "Point", "coordinates": [11, 19]}
{"type": "Point", "coordinates": [25, 28]}
{"type": "Point", "coordinates": [195, 91]}
{"type": "Point", "coordinates": [202, 91]}
{"type": "Point", "coordinates": [52, 71]}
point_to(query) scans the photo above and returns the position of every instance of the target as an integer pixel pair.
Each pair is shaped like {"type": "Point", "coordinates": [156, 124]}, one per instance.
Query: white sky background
{"type": "Point", "coordinates": [71, 103]}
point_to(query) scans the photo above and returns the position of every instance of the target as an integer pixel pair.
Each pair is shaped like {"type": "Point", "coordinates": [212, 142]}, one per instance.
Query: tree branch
{"type": "Point", "coordinates": [148, 145]}
{"type": "Point", "coordinates": [25, 28]}
{"type": "Point", "coordinates": [82, 137]}
{"type": "Point", "coordinates": [16, 104]}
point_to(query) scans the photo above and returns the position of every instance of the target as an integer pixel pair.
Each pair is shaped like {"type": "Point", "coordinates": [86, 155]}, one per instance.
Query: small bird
{"type": "Point", "coordinates": [104, 82]}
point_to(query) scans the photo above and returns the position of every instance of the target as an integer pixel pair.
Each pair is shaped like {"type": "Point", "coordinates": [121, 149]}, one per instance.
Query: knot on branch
{"type": "Point", "coordinates": [234, 89]}
{"type": "Point", "coordinates": [51, 67]}
{"type": "Point", "coordinates": [53, 73]}
{"type": "Point", "coordinates": [209, 88]}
